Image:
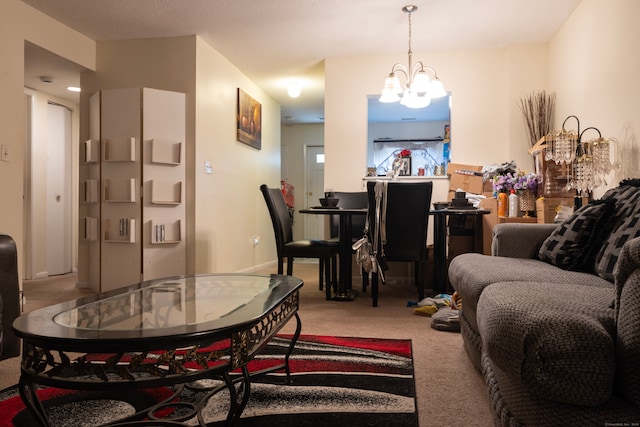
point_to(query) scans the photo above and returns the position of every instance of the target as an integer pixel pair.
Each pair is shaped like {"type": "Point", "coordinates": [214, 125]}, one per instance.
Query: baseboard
{"type": "Point", "coordinates": [258, 267]}
{"type": "Point", "coordinates": [83, 285]}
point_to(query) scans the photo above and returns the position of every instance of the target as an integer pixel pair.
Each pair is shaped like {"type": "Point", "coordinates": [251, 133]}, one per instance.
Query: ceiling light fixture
{"type": "Point", "coordinates": [294, 89]}
{"type": "Point", "coordinates": [73, 89]}
{"type": "Point", "coordinates": [419, 89]}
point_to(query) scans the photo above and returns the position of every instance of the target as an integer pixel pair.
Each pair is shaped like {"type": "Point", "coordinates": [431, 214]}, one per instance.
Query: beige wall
{"type": "Point", "coordinates": [229, 208]}
{"type": "Point", "coordinates": [486, 126]}
{"type": "Point", "coordinates": [594, 62]}
{"type": "Point", "coordinates": [19, 22]}
{"type": "Point", "coordinates": [295, 140]}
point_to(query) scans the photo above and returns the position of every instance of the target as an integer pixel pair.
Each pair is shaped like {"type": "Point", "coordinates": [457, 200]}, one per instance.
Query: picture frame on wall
{"type": "Point", "coordinates": [249, 120]}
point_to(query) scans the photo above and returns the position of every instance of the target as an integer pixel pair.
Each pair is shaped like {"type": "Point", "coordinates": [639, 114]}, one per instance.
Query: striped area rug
{"type": "Point", "coordinates": [336, 381]}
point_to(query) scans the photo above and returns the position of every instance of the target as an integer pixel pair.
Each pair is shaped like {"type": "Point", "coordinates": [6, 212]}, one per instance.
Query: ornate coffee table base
{"type": "Point", "coordinates": [216, 360]}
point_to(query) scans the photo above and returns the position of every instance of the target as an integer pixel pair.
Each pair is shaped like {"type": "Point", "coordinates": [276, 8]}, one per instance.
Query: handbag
{"type": "Point", "coordinates": [364, 255]}
{"type": "Point", "coordinates": [367, 256]}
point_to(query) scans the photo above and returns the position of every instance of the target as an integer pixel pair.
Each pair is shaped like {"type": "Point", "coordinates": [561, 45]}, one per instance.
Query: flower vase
{"type": "Point", "coordinates": [527, 202]}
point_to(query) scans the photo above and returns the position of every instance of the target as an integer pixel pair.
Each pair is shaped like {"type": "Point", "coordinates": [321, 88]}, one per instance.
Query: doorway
{"type": "Point", "coordinates": [48, 202]}
{"type": "Point", "coordinates": [59, 207]}
{"type": "Point", "coordinates": [314, 190]}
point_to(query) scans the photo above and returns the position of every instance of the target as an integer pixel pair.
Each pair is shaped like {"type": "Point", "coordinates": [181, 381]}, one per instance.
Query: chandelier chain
{"type": "Point", "coordinates": [409, 31]}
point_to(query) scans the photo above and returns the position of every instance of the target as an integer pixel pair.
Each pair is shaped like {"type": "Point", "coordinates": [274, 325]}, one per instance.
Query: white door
{"type": "Point", "coordinates": [58, 189]}
{"type": "Point", "coordinates": [314, 182]}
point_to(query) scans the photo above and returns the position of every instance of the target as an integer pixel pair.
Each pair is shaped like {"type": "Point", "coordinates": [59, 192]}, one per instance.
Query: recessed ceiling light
{"type": "Point", "coordinates": [73, 89]}
{"type": "Point", "coordinates": [294, 90]}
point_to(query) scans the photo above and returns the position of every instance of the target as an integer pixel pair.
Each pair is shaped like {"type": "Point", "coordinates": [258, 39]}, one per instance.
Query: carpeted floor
{"type": "Point", "coordinates": [335, 381]}
{"type": "Point", "coordinates": [449, 390]}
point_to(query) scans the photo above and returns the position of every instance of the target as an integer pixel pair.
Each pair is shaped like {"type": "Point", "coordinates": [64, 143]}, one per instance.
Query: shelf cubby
{"type": "Point", "coordinates": [122, 149]}
{"type": "Point", "coordinates": [163, 193]}
{"type": "Point", "coordinates": [166, 152]}
{"type": "Point", "coordinates": [120, 190]}
{"type": "Point", "coordinates": [90, 191]}
{"type": "Point", "coordinates": [91, 151]}
{"type": "Point", "coordinates": [90, 229]}
{"type": "Point", "coordinates": [119, 230]}
{"type": "Point", "coordinates": [165, 232]}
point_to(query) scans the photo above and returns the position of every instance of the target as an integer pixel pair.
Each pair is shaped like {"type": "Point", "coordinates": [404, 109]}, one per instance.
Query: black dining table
{"type": "Point", "coordinates": [345, 291]}
{"type": "Point", "coordinates": [440, 281]}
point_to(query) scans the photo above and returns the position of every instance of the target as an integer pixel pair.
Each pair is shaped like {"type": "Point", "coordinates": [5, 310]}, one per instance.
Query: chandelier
{"type": "Point", "coordinates": [418, 89]}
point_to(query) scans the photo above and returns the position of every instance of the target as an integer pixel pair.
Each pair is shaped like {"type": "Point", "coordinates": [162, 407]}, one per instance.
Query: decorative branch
{"type": "Point", "coordinates": [537, 110]}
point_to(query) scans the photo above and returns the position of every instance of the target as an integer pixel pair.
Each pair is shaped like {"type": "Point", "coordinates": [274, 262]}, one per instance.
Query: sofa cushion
{"type": "Point", "coordinates": [623, 226]}
{"type": "Point", "coordinates": [557, 340]}
{"type": "Point", "coordinates": [572, 245]}
{"type": "Point", "coordinates": [627, 278]}
{"type": "Point", "coordinates": [471, 273]}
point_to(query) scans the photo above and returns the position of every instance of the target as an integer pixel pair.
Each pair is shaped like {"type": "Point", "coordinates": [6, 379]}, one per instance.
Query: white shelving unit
{"type": "Point", "coordinates": [132, 187]}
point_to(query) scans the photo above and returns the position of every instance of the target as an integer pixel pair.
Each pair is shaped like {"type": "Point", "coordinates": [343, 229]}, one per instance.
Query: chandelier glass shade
{"type": "Point", "coordinates": [419, 87]}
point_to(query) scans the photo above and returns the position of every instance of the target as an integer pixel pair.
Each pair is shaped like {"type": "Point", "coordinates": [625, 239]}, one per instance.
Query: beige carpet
{"type": "Point", "coordinates": [450, 392]}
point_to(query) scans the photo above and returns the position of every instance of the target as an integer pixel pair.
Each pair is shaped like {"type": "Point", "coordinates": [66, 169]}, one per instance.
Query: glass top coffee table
{"type": "Point", "coordinates": [158, 333]}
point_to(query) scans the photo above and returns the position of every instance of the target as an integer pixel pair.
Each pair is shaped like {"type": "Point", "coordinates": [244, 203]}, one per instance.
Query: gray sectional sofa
{"type": "Point", "coordinates": [552, 317]}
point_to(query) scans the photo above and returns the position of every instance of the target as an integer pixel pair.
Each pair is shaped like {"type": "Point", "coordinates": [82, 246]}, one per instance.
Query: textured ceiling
{"type": "Point", "coordinates": [274, 41]}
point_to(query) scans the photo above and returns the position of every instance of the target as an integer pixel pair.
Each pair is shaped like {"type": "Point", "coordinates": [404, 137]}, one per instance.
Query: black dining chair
{"type": "Point", "coordinates": [407, 221]}
{"type": "Point", "coordinates": [350, 200]}
{"type": "Point", "coordinates": [326, 251]}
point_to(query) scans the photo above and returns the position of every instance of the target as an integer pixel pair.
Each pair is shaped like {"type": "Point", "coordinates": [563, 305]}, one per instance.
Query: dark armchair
{"type": "Point", "coordinates": [9, 297]}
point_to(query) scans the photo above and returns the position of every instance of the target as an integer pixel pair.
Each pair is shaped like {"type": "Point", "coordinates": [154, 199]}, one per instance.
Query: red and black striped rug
{"type": "Point", "coordinates": [336, 381]}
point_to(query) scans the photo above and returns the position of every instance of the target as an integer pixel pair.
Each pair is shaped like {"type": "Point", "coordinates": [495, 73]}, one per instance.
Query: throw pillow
{"type": "Point", "coordinates": [623, 226]}
{"type": "Point", "coordinates": [571, 245]}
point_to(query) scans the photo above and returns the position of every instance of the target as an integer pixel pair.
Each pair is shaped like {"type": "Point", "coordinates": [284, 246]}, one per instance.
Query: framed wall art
{"type": "Point", "coordinates": [249, 118]}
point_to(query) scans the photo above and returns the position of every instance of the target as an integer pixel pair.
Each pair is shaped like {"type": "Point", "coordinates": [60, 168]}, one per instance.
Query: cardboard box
{"type": "Point", "coordinates": [466, 177]}
{"type": "Point", "coordinates": [518, 220]}
{"type": "Point", "coordinates": [546, 207]}
{"type": "Point", "coordinates": [555, 178]}
{"type": "Point", "coordinates": [488, 222]}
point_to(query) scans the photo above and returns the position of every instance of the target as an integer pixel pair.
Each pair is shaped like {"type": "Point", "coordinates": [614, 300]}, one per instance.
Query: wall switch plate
{"type": "Point", "coordinates": [4, 153]}
{"type": "Point", "coordinates": [208, 168]}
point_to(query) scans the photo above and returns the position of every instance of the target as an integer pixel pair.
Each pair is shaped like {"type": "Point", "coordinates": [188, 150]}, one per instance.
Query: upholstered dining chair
{"type": "Point", "coordinates": [326, 251]}
{"type": "Point", "coordinates": [350, 200]}
{"type": "Point", "coordinates": [407, 220]}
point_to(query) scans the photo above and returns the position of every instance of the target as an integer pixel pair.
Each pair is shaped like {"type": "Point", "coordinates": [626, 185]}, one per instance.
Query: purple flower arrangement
{"type": "Point", "coordinates": [517, 181]}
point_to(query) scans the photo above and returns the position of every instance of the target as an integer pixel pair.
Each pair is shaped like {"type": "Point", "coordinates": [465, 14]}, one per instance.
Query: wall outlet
{"type": "Point", "coordinates": [255, 240]}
